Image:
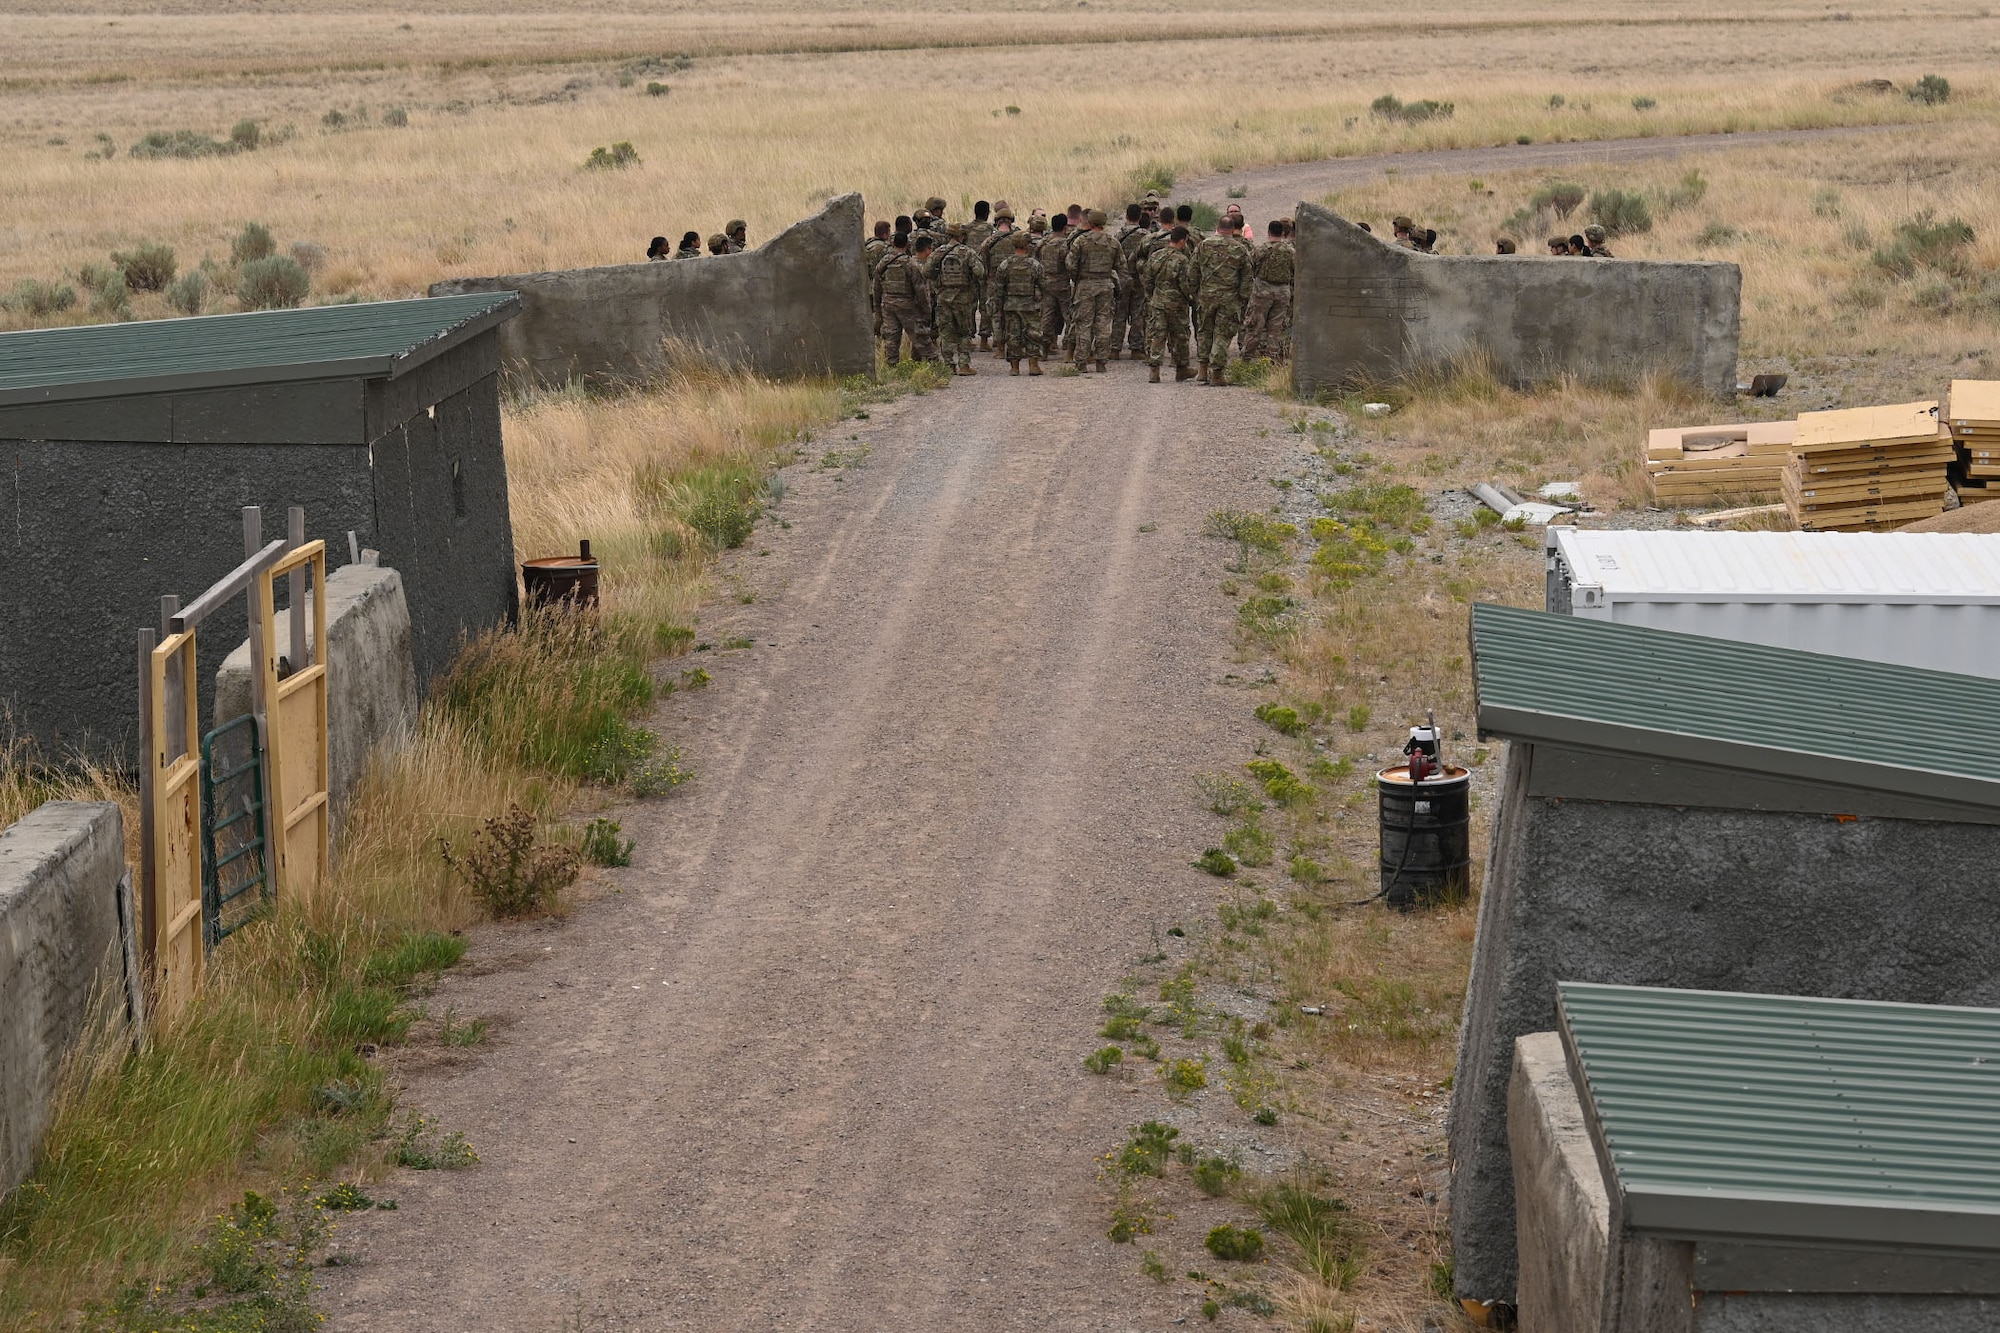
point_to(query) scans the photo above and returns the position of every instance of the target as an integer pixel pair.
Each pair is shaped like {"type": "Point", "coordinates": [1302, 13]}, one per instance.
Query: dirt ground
{"type": "Point", "coordinates": [813, 1060]}
{"type": "Point", "coordinates": [1283, 185]}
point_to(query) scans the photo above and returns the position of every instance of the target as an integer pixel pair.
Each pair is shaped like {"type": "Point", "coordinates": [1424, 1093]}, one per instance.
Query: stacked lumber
{"type": "Point", "coordinates": [1972, 413]}
{"type": "Point", "coordinates": [1692, 465]}
{"type": "Point", "coordinates": [1867, 468]}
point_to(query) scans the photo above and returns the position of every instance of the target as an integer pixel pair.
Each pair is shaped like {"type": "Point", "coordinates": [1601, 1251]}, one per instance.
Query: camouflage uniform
{"type": "Point", "coordinates": [1222, 266]}
{"type": "Point", "coordinates": [1097, 265]}
{"type": "Point", "coordinates": [902, 293]}
{"type": "Point", "coordinates": [688, 252]}
{"type": "Point", "coordinates": [955, 274]}
{"type": "Point", "coordinates": [1052, 252]}
{"type": "Point", "coordinates": [873, 251]}
{"type": "Point", "coordinates": [1267, 320]}
{"type": "Point", "coordinates": [976, 233]}
{"type": "Point", "coordinates": [995, 250]}
{"type": "Point", "coordinates": [1170, 282]}
{"type": "Point", "coordinates": [1018, 280]}
{"type": "Point", "coordinates": [735, 231]}
{"type": "Point", "coordinates": [1128, 316]}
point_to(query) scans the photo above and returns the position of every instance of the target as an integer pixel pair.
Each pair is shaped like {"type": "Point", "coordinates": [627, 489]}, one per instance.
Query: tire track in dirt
{"type": "Point", "coordinates": [816, 1065]}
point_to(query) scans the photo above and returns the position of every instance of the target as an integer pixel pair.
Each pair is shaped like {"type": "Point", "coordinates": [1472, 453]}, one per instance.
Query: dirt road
{"type": "Point", "coordinates": [815, 1064]}
{"type": "Point", "coordinates": [1286, 184]}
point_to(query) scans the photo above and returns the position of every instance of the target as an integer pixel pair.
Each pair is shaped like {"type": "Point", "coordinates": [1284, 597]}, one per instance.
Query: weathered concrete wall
{"type": "Point", "coordinates": [59, 872]}
{"type": "Point", "coordinates": [372, 682]}
{"type": "Point", "coordinates": [1788, 903]}
{"type": "Point", "coordinates": [1363, 309]}
{"type": "Point", "coordinates": [795, 306]}
{"type": "Point", "coordinates": [1561, 1207]}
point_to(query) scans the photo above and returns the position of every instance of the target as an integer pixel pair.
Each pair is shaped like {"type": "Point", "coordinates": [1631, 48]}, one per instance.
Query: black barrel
{"type": "Point", "coordinates": [1426, 837]}
{"type": "Point", "coordinates": [563, 580]}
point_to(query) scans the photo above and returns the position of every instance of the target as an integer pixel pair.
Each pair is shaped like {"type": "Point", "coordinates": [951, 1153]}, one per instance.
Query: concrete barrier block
{"type": "Point", "coordinates": [1562, 1208]}
{"type": "Point", "coordinates": [1363, 310]}
{"type": "Point", "coordinates": [59, 873]}
{"type": "Point", "coordinates": [795, 306]}
{"type": "Point", "coordinates": [371, 686]}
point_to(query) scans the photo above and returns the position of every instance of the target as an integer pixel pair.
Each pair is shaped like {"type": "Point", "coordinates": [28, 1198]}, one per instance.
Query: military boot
{"type": "Point", "coordinates": [1203, 377]}
{"type": "Point", "coordinates": [1034, 365]}
{"type": "Point", "coordinates": [985, 343]}
{"type": "Point", "coordinates": [967, 369]}
{"type": "Point", "coordinates": [1154, 378]}
{"type": "Point", "coordinates": [1013, 366]}
{"type": "Point", "coordinates": [1183, 373]}
{"type": "Point", "coordinates": [1100, 367]}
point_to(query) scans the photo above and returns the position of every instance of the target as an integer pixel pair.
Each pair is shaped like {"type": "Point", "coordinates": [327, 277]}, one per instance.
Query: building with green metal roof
{"type": "Point", "coordinates": [1694, 812]}
{"type": "Point", "coordinates": [1709, 1160]}
{"type": "Point", "coordinates": [132, 448]}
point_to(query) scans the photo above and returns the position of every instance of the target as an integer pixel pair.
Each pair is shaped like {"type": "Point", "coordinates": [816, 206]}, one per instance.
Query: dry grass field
{"type": "Point", "coordinates": [399, 147]}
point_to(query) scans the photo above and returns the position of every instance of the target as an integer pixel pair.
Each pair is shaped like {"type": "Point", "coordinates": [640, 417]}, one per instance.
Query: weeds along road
{"type": "Point", "coordinates": [1280, 187]}
{"type": "Point", "coordinates": [816, 1064]}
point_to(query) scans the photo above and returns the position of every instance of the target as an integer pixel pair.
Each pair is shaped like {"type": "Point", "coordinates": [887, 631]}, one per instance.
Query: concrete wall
{"type": "Point", "coordinates": [1561, 1207]}
{"type": "Point", "coordinates": [795, 306]}
{"type": "Point", "coordinates": [1777, 902]}
{"type": "Point", "coordinates": [1363, 309]}
{"type": "Point", "coordinates": [102, 519]}
{"type": "Point", "coordinates": [372, 682]}
{"type": "Point", "coordinates": [59, 873]}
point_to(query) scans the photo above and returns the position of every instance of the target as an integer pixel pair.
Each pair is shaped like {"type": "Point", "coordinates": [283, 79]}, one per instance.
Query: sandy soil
{"type": "Point", "coordinates": [1282, 186]}
{"type": "Point", "coordinates": [812, 1061]}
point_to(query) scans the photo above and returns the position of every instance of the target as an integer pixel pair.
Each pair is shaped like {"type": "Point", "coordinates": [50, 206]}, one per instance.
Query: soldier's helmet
{"type": "Point", "coordinates": [1038, 223]}
{"type": "Point", "coordinates": [1003, 214]}
{"type": "Point", "coordinates": [717, 241]}
{"type": "Point", "coordinates": [934, 205]}
{"type": "Point", "coordinates": [1401, 223]}
{"type": "Point", "coordinates": [1095, 217]}
{"type": "Point", "coordinates": [956, 231]}
{"type": "Point", "coordinates": [1021, 241]}
{"type": "Point", "coordinates": [1152, 197]}
{"type": "Point", "coordinates": [1594, 234]}
{"type": "Point", "coordinates": [736, 227]}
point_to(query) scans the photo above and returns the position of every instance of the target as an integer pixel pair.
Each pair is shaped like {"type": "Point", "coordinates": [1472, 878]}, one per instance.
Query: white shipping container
{"type": "Point", "coordinates": [1923, 599]}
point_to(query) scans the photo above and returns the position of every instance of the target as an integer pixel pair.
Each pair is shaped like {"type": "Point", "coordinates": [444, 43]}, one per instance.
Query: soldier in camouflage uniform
{"type": "Point", "coordinates": [1222, 264]}
{"type": "Point", "coordinates": [1055, 282]}
{"type": "Point", "coordinates": [901, 293]}
{"type": "Point", "coordinates": [1019, 282]}
{"type": "Point", "coordinates": [873, 251]}
{"type": "Point", "coordinates": [1170, 282]}
{"type": "Point", "coordinates": [738, 235]}
{"type": "Point", "coordinates": [1267, 319]}
{"type": "Point", "coordinates": [690, 246]}
{"type": "Point", "coordinates": [993, 250]}
{"type": "Point", "coordinates": [976, 232]}
{"type": "Point", "coordinates": [1096, 264]}
{"type": "Point", "coordinates": [955, 273]}
{"type": "Point", "coordinates": [1128, 317]}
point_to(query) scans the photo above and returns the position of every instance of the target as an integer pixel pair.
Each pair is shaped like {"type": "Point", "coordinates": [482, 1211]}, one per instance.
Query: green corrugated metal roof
{"type": "Point", "coordinates": [1773, 1116]}
{"type": "Point", "coordinates": [379, 339]}
{"type": "Point", "coordinates": [1597, 685]}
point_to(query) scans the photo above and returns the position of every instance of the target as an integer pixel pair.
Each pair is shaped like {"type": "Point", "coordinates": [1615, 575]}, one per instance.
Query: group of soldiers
{"type": "Point", "coordinates": [1071, 284]}
{"type": "Point", "coordinates": [1591, 243]}
{"type": "Point", "coordinates": [731, 240]}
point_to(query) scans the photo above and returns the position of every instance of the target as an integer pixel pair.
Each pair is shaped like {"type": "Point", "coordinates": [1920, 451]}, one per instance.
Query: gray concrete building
{"type": "Point", "coordinates": [1693, 812]}
{"type": "Point", "coordinates": [796, 305]}
{"type": "Point", "coordinates": [130, 449]}
{"type": "Point", "coordinates": [1717, 1162]}
{"type": "Point", "coordinates": [1364, 310]}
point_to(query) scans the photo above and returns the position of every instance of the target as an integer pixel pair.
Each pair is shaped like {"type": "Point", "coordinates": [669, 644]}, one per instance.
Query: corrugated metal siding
{"type": "Point", "coordinates": [217, 345]}
{"type": "Point", "coordinates": [1811, 1118]}
{"type": "Point", "coordinates": [1784, 566]}
{"type": "Point", "coordinates": [1625, 688]}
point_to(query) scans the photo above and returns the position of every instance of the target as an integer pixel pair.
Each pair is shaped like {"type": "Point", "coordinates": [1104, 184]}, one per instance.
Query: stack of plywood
{"type": "Point", "coordinates": [1694, 465]}
{"type": "Point", "coordinates": [1868, 467]}
{"type": "Point", "coordinates": [1973, 415]}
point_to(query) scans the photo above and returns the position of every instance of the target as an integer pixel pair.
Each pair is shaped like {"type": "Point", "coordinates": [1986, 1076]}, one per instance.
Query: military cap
{"type": "Point", "coordinates": [735, 226]}
{"type": "Point", "coordinates": [1401, 223]}
{"type": "Point", "coordinates": [1594, 234]}
{"type": "Point", "coordinates": [1095, 217]}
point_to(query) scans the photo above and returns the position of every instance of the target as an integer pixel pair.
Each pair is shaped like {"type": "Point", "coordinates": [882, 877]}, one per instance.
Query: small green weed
{"type": "Point", "coordinates": [1280, 783]}
{"type": "Point", "coordinates": [1149, 1150]}
{"type": "Point", "coordinates": [1250, 843]}
{"type": "Point", "coordinates": [1280, 718]}
{"type": "Point", "coordinates": [1358, 717]}
{"type": "Point", "coordinates": [423, 1147]}
{"type": "Point", "coordinates": [510, 872]}
{"type": "Point", "coordinates": [411, 956]}
{"type": "Point", "coordinates": [451, 1032]}
{"type": "Point", "coordinates": [602, 846]}
{"type": "Point", "coordinates": [1104, 1059]}
{"type": "Point", "coordinates": [1215, 1176]}
{"type": "Point", "coordinates": [1153, 1267]}
{"type": "Point", "coordinates": [346, 1197]}
{"type": "Point", "coordinates": [1129, 1219]}
{"type": "Point", "coordinates": [1216, 862]}
{"type": "Point", "coordinates": [1251, 531]}
{"type": "Point", "coordinates": [1184, 1077]}
{"type": "Point", "coordinates": [1120, 1027]}
{"type": "Point", "coordinates": [1242, 1245]}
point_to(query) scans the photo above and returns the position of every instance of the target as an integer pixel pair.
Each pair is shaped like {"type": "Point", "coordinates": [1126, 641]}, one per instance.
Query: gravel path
{"type": "Point", "coordinates": [815, 1063]}
{"type": "Point", "coordinates": [1284, 185]}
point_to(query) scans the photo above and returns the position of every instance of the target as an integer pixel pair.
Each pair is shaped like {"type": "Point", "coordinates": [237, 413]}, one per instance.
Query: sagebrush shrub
{"type": "Point", "coordinates": [253, 242]}
{"type": "Point", "coordinates": [189, 292]}
{"type": "Point", "coordinates": [246, 135]}
{"type": "Point", "coordinates": [275, 282]}
{"type": "Point", "coordinates": [615, 158]}
{"type": "Point", "coordinates": [1621, 212]}
{"type": "Point", "coordinates": [40, 299]}
{"type": "Point", "coordinates": [147, 268]}
{"type": "Point", "coordinates": [1560, 197]}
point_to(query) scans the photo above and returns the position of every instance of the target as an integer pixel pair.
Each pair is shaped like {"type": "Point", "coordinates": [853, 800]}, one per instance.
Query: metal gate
{"type": "Point", "coordinates": [233, 862]}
